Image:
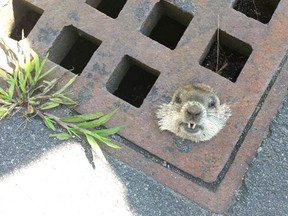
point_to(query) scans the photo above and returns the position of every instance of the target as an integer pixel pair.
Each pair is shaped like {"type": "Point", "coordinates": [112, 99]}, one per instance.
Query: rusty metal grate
{"type": "Point", "coordinates": [138, 66]}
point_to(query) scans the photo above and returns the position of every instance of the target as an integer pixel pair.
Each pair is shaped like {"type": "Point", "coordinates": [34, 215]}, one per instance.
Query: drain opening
{"type": "Point", "coordinates": [166, 24]}
{"type": "Point", "coordinates": [261, 10]}
{"type": "Point", "coordinates": [73, 49]}
{"type": "Point", "coordinates": [233, 54]}
{"type": "Point", "coordinates": [111, 8]}
{"type": "Point", "coordinates": [132, 81]}
{"type": "Point", "coordinates": [25, 18]}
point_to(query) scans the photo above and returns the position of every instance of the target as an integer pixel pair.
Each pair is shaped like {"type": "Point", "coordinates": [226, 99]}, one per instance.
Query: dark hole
{"type": "Point", "coordinates": [168, 32]}
{"type": "Point", "coordinates": [79, 55]}
{"type": "Point", "coordinates": [111, 8]}
{"type": "Point", "coordinates": [25, 18]}
{"type": "Point", "coordinates": [135, 84]}
{"type": "Point", "coordinates": [73, 49]}
{"type": "Point", "coordinates": [233, 55]}
{"type": "Point", "coordinates": [166, 24]}
{"type": "Point", "coordinates": [261, 10]}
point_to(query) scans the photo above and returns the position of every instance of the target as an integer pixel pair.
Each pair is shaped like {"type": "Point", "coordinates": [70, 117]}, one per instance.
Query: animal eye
{"type": "Point", "coordinates": [178, 99]}
{"type": "Point", "coordinates": [212, 104]}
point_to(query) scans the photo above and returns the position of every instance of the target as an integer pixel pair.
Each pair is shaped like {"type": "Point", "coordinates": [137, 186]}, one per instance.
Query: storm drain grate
{"type": "Point", "coordinates": [124, 62]}
{"type": "Point", "coordinates": [25, 18]}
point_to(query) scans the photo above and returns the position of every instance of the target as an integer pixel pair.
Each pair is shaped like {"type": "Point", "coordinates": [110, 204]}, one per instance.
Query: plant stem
{"type": "Point", "coordinates": [5, 102]}
{"type": "Point", "coordinates": [256, 11]}
{"type": "Point", "coordinates": [218, 44]}
{"type": "Point", "coordinates": [11, 108]}
{"type": "Point", "coordinates": [41, 97]}
{"type": "Point", "coordinates": [61, 123]}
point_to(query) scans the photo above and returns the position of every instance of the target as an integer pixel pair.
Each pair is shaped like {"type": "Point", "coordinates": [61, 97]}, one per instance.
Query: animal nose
{"type": "Point", "coordinates": [194, 113]}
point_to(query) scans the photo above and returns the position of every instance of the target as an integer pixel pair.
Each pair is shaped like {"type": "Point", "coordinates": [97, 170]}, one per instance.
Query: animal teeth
{"type": "Point", "coordinates": [190, 125]}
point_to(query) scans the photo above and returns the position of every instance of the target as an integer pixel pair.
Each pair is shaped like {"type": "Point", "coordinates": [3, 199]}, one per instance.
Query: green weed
{"type": "Point", "coordinates": [27, 89]}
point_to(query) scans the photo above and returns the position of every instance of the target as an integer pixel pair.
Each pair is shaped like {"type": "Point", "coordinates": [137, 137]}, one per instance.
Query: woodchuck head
{"type": "Point", "coordinates": [194, 113]}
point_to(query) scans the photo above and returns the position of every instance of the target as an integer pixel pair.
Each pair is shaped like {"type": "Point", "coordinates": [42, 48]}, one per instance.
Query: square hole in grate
{"type": "Point", "coordinates": [25, 18]}
{"type": "Point", "coordinates": [166, 24]}
{"type": "Point", "coordinates": [261, 10]}
{"type": "Point", "coordinates": [73, 49]}
{"type": "Point", "coordinates": [132, 81]}
{"type": "Point", "coordinates": [111, 8]}
{"type": "Point", "coordinates": [228, 57]}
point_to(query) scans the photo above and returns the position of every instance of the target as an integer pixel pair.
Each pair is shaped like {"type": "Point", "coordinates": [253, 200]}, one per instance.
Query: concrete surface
{"type": "Point", "coordinates": [43, 176]}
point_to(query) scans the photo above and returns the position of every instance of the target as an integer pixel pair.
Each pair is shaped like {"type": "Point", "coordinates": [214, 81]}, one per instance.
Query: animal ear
{"type": "Point", "coordinates": [177, 96]}
{"type": "Point", "coordinates": [212, 103]}
{"type": "Point", "coordinates": [203, 87]}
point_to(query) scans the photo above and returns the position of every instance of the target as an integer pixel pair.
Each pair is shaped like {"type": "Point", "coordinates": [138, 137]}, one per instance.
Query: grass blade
{"type": "Point", "coordinates": [4, 75]}
{"type": "Point", "coordinates": [3, 92]}
{"type": "Point", "coordinates": [108, 142]}
{"type": "Point", "coordinates": [108, 131]}
{"type": "Point", "coordinates": [11, 90]}
{"type": "Point", "coordinates": [3, 112]}
{"type": "Point", "coordinates": [96, 148]}
{"type": "Point", "coordinates": [48, 105]}
{"type": "Point", "coordinates": [98, 122]}
{"type": "Point", "coordinates": [66, 85]}
{"type": "Point", "coordinates": [47, 72]}
{"type": "Point", "coordinates": [33, 88]}
{"type": "Point", "coordinates": [104, 140]}
{"type": "Point", "coordinates": [28, 68]}
{"type": "Point", "coordinates": [82, 117]}
{"type": "Point", "coordinates": [74, 132]}
{"type": "Point", "coordinates": [36, 61]}
{"type": "Point", "coordinates": [34, 102]}
{"type": "Point", "coordinates": [22, 82]}
{"type": "Point", "coordinates": [42, 64]}
{"type": "Point", "coordinates": [61, 136]}
{"type": "Point", "coordinates": [49, 87]}
{"type": "Point", "coordinates": [63, 100]}
{"type": "Point", "coordinates": [49, 123]}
